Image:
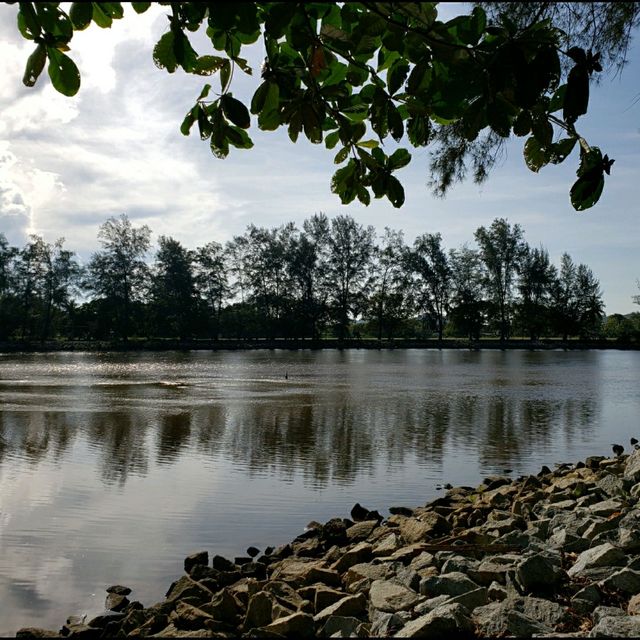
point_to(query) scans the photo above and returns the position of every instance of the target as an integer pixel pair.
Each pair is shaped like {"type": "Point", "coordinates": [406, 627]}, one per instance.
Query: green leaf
{"type": "Point", "coordinates": [576, 99]}
{"type": "Point", "coordinates": [112, 9]}
{"type": "Point", "coordinates": [269, 116]}
{"type": "Point", "coordinates": [363, 195]}
{"type": "Point", "coordinates": [35, 65]}
{"type": "Point", "coordinates": [561, 149]}
{"type": "Point", "coordinates": [396, 76]}
{"type": "Point", "coordinates": [189, 119]}
{"type": "Point", "coordinates": [342, 182]}
{"type": "Point", "coordinates": [63, 72]}
{"type": "Point", "coordinates": [341, 156]}
{"type": "Point", "coordinates": [207, 65]}
{"type": "Point", "coordinates": [368, 144]}
{"type": "Point", "coordinates": [28, 22]}
{"type": "Point", "coordinates": [332, 139]}
{"type": "Point", "coordinates": [140, 7]}
{"type": "Point", "coordinates": [398, 159]}
{"type": "Point", "coordinates": [235, 111]}
{"type": "Point", "coordinates": [311, 123]}
{"type": "Point", "coordinates": [522, 124]}
{"type": "Point", "coordinates": [184, 53]}
{"type": "Point", "coordinates": [259, 98]}
{"type": "Point", "coordinates": [586, 190]}
{"type": "Point", "coordinates": [419, 131]}
{"type": "Point", "coordinates": [205, 92]}
{"type": "Point", "coordinates": [395, 192]}
{"type": "Point", "coordinates": [204, 124]}
{"type": "Point", "coordinates": [535, 155]}
{"type": "Point", "coordinates": [542, 129]}
{"type": "Point", "coordinates": [163, 54]}
{"type": "Point", "coordinates": [81, 14]}
{"type": "Point", "coordinates": [557, 99]}
{"type": "Point", "coordinates": [225, 74]}
{"type": "Point", "coordinates": [396, 126]}
{"type": "Point", "coordinates": [239, 138]}
{"type": "Point", "coordinates": [102, 19]}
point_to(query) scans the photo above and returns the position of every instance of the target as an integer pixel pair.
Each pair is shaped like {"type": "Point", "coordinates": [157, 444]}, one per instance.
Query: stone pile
{"type": "Point", "coordinates": [552, 555]}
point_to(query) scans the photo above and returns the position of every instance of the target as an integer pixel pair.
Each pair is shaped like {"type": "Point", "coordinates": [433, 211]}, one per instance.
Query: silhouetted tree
{"type": "Point", "coordinates": [212, 281]}
{"type": "Point", "coordinates": [428, 261]}
{"type": "Point", "coordinates": [537, 276]}
{"type": "Point", "coordinates": [564, 310]}
{"type": "Point", "coordinates": [350, 249]}
{"type": "Point", "coordinates": [467, 303]}
{"type": "Point", "coordinates": [501, 249]}
{"type": "Point", "coordinates": [172, 288]}
{"type": "Point", "coordinates": [589, 303]}
{"type": "Point", "coordinates": [118, 274]}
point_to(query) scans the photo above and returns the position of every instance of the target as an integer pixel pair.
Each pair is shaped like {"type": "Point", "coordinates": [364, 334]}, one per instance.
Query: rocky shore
{"type": "Point", "coordinates": [549, 555]}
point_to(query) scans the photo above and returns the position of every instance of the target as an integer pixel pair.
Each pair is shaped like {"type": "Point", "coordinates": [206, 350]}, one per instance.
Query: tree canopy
{"type": "Point", "coordinates": [368, 79]}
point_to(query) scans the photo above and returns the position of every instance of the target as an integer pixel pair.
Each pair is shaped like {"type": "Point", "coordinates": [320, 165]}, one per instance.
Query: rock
{"type": "Point", "coordinates": [449, 584]}
{"type": "Point", "coordinates": [446, 621]}
{"type": "Point", "coordinates": [185, 587]}
{"type": "Point", "coordinates": [632, 467]}
{"type": "Point", "coordinates": [361, 530]}
{"type": "Point", "coordinates": [334, 531]}
{"type": "Point", "coordinates": [325, 597]}
{"type": "Point", "coordinates": [543, 611]}
{"type": "Point", "coordinates": [259, 610]}
{"type": "Point", "coordinates": [222, 564]}
{"type": "Point", "coordinates": [104, 618]}
{"type": "Point", "coordinates": [115, 602]}
{"type": "Point", "coordinates": [351, 606]}
{"type": "Point", "coordinates": [459, 563]}
{"type": "Point", "coordinates": [285, 594]}
{"type": "Point", "coordinates": [359, 513]}
{"type": "Point", "coordinates": [296, 625]}
{"type": "Point", "coordinates": [391, 597]}
{"type": "Point", "coordinates": [36, 632]}
{"type": "Point", "coordinates": [425, 527]}
{"type": "Point", "coordinates": [340, 627]}
{"type": "Point", "coordinates": [199, 558]}
{"type": "Point", "coordinates": [422, 561]}
{"type": "Point", "coordinates": [499, 619]}
{"type": "Point", "coordinates": [223, 606]}
{"type": "Point", "coordinates": [493, 569]}
{"type": "Point", "coordinates": [365, 570]}
{"type": "Point", "coordinates": [496, 592]}
{"type": "Point", "coordinates": [359, 553]}
{"type": "Point", "coordinates": [386, 546]}
{"type": "Point", "coordinates": [585, 600]}
{"type": "Point", "coordinates": [401, 511]}
{"type": "Point", "coordinates": [603, 555]}
{"type": "Point", "coordinates": [629, 540]}
{"type": "Point", "coordinates": [472, 599]}
{"type": "Point", "coordinates": [408, 577]}
{"type": "Point", "coordinates": [616, 627]}
{"type": "Point", "coordinates": [76, 629]}
{"type": "Point", "coordinates": [252, 552]}
{"type": "Point", "coordinates": [187, 616]}
{"type": "Point", "coordinates": [611, 485]}
{"type": "Point", "coordinates": [386, 624]}
{"type": "Point", "coordinates": [119, 589]}
{"type": "Point", "coordinates": [626, 580]}
{"type": "Point", "coordinates": [633, 608]}
{"type": "Point", "coordinates": [537, 574]}
{"type": "Point", "coordinates": [430, 604]}
{"type": "Point", "coordinates": [605, 508]}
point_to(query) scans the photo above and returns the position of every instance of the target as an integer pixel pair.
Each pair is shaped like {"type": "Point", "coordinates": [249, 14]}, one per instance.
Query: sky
{"type": "Point", "coordinates": [68, 164]}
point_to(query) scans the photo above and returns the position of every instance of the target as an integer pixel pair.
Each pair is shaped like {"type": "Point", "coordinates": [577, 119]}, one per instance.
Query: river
{"type": "Point", "coordinates": [113, 467]}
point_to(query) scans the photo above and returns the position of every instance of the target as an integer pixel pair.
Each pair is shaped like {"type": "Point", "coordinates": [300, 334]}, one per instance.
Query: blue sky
{"type": "Point", "coordinates": [67, 164]}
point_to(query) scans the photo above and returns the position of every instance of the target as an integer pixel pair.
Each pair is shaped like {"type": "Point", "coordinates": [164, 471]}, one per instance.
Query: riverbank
{"type": "Point", "coordinates": [250, 344]}
{"type": "Point", "coordinates": [552, 554]}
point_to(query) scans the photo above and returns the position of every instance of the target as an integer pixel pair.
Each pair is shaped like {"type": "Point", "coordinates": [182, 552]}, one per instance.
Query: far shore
{"type": "Point", "coordinates": [294, 344]}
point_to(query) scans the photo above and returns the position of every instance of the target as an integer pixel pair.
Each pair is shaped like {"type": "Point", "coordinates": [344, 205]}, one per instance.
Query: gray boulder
{"type": "Point", "coordinates": [449, 584]}
{"type": "Point", "coordinates": [538, 573]}
{"type": "Point", "coordinates": [603, 555]}
{"type": "Point", "coordinates": [625, 580]}
{"type": "Point", "coordinates": [617, 627]}
{"type": "Point", "coordinates": [391, 597]}
{"type": "Point", "coordinates": [446, 621]}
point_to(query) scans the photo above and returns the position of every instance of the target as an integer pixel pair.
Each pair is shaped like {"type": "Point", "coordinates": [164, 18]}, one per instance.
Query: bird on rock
{"type": "Point", "coordinates": [618, 449]}
{"type": "Point", "coordinates": [633, 442]}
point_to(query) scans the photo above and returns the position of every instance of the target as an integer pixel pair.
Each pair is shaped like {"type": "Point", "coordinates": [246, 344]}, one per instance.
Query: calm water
{"type": "Point", "coordinates": [113, 467]}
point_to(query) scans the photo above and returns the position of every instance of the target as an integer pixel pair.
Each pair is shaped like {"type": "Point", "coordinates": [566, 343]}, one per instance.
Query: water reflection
{"type": "Point", "coordinates": [220, 450]}
{"type": "Point", "coordinates": [331, 431]}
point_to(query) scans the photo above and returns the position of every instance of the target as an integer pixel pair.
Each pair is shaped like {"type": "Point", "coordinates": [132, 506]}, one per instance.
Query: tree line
{"type": "Point", "coordinates": [331, 278]}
